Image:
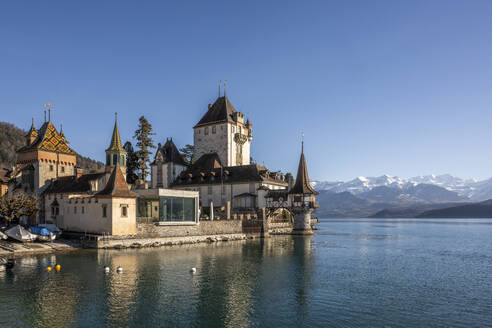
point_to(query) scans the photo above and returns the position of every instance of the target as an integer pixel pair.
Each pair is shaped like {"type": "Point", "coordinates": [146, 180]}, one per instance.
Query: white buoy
{"type": "Point", "coordinates": [106, 269]}
{"type": "Point", "coordinates": [193, 270]}
{"type": "Point", "coordinates": [119, 269]}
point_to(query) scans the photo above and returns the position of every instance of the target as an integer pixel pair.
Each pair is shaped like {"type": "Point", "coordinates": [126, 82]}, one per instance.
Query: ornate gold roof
{"type": "Point", "coordinates": [49, 139]}
{"type": "Point", "coordinates": [115, 139]}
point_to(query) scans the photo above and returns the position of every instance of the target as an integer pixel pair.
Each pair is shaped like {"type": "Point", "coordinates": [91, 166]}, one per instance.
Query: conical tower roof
{"type": "Point", "coordinates": [115, 139]}
{"type": "Point", "coordinates": [116, 185]}
{"type": "Point", "coordinates": [302, 185]}
{"type": "Point", "coordinates": [32, 131]}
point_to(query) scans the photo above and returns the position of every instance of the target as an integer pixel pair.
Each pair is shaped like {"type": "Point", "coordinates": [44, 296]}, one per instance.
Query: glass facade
{"type": "Point", "coordinates": [176, 209]}
{"type": "Point", "coordinates": [167, 209]}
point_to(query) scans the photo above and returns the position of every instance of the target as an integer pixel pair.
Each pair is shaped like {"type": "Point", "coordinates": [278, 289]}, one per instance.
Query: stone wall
{"type": "Point", "coordinates": [149, 230]}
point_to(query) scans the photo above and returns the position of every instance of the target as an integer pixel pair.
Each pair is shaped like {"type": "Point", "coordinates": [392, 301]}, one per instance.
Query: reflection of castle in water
{"type": "Point", "coordinates": [235, 283]}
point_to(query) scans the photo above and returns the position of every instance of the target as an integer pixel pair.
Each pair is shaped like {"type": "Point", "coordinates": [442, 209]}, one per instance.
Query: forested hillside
{"type": "Point", "coordinates": [12, 138]}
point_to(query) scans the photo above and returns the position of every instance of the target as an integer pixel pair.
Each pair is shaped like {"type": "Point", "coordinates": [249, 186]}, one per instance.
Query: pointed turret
{"type": "Point", "coordinates": [116, 185]}
{"type": "Point", "coordinates": [115, 154]}
{"type": "Point", "coordinates": [302, 185]}
{"type": "Point", "coordinates": [32, 134]}
{"type": "Point", "coordinates": [115, 139]}
{"type": "Point", "coordinates": [62, 135]}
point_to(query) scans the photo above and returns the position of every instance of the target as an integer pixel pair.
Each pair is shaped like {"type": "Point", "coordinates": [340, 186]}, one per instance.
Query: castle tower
{"type": "Point", "coordinates": [167, 165]}
{"type": "Point", "coordinates": [302, 199]}
{"type": "Point", "coordinates": [115, 154]}
{"type": "Point", "coordinates": [222, 130]}
{"type": "Point", "coordinates": [45, 156]}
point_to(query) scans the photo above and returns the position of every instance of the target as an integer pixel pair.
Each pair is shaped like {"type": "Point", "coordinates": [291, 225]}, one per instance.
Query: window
{"type": "Point", "coordinates": [108, 158]}
{"type": "Point", "coordinates": [213, 130]}
{"type": "Point", "coordinates": [176, 209]}
{"type": "Point", "coordinates": [57, 210]}
{"type": "Point", "coordinates": [124, 211]}
{"type": "Point", "coordinates": [122, 160]}
{"type": "Point", "coordinates": [206, 130]}
{"type": "Point", "coordinates": [83, 209]}
{"type": "Point", "coordinates": [63, 169]}
{"type": "Point", "coordinates": [75, 210]}
{"type": "Point", "coordinates": [252, 188]}
{"type": "Point", "coordinates": [105, 210]}
{"type": "Point", "coordinates": [115, 159]}
{"type": "Point", "coordinates": [51, 168]}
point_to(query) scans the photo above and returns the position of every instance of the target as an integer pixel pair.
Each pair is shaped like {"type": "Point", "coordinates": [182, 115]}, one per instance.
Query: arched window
{"type": "Point", "coordinates": [122, 160]}
{"type": "Point", "coordinates": [115, 159]}
{"type": "Point", "coordinates": [108, 158]}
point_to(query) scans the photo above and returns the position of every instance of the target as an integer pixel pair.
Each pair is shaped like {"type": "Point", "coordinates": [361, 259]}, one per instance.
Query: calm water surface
{"type": "Point", "coordinates": [352, 273]}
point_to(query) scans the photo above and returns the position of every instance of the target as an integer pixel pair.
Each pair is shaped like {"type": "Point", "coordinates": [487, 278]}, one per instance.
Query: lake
{"type": "Point", "coordinates": [351, 273]}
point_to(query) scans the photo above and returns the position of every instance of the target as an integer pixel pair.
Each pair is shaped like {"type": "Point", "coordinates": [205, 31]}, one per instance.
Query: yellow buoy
{"type": "Point", "coordinates": [57, 267]}
{"type": "Point", "coordinates": [48, 269]}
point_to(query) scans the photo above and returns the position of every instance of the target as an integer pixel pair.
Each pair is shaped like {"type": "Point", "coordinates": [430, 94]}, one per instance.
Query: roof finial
{"type": "Point", "coordinates": [49, 106]}
{"type": "Point", "coordinates": [302, 143]}
{"type": "Point", "coordinates": [225, 83]}
{"type": "Point", "coordinates": [32, 123]}
{"type": "Point", "coordinates": [220, 81]}
{"type": "Point", "coordinates": [115, 116]}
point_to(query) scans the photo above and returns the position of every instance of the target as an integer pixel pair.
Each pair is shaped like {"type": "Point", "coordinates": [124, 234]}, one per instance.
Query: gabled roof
{"type": "Point", "coordinates": [72, 184]}
{"type": "Point", "coordinates": [116, 186]}
{"type": "Point", "coordinates": [169, 153]}
{"type": "Point", "coordinates": [209, 170]}
{"type": "Point", "coordinates": [221, 111]}
{"type": "Point", "coordinates": [302, 185]}
{"type": "Point", "coordinates": [49, 139]}
{"type": "Point", "coordinates": [115, 139]}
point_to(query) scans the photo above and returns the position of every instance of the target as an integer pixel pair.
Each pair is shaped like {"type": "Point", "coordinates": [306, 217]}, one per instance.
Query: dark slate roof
{"type": "Point", "coordinates": [169, 153]}
{"type": "Point", "coordinates": [208, 169]}
{"type": "Point", "coordinates": [72, 184]}
{"type": "Point", "coordinates": [116, 186]}
{"type": "Point", "coordinates": [302, 185]}
{"type": "Point", "coordinates": [221, 111]}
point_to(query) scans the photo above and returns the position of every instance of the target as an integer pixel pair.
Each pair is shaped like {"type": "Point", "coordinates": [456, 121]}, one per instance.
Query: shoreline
{"type": "Point", "coordinates": [17, 249]}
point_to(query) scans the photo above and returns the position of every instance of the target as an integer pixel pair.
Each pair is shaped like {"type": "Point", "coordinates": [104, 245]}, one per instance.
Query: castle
{"type": "Point", "coordinates": [222, 183]}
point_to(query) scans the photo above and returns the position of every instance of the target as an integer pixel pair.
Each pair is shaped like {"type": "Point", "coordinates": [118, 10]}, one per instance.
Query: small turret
{"type": "Point", "coordinates": [31, 135]}
{"type": "Point", "coordinates": [115, 154]}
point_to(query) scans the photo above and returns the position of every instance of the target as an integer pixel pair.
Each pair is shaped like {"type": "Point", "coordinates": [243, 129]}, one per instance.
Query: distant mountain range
{"type": "Point", "coordinates": [468, 188]}
{"type": "Point", "coordinates": [388, 196]}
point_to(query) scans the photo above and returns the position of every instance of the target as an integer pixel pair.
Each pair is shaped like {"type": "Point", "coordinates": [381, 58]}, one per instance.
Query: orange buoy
{"type": "Point", "coordinates": [48, 268]}
{"type": "Point", "coordinates": [57, 267]}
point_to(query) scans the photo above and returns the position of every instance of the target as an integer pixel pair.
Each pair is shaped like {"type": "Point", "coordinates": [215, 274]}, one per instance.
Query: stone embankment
{"type": "Point", "coordinates": [161, 241]}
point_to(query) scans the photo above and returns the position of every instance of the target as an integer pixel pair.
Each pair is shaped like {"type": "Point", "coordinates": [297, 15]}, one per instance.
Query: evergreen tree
{"type": "Point", "coordinates": [188, 153]}
{"type": "Point", "coordinates": [144, 143]}
{"type": "Point", "coordinates": [131, 163]}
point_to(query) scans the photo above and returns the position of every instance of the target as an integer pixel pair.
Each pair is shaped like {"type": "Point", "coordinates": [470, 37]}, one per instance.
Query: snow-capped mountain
{"type": "Point", "coordinates": [467, 188]}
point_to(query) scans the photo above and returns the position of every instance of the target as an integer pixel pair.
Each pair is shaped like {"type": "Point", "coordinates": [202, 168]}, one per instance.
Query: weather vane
{"type": "Point", "coordinates": [48, 106]}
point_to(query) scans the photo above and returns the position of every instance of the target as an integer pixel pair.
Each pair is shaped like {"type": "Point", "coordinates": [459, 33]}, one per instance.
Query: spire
{"type": "Point", "coordinates": [302, 185]}
{"type": "Point", "coordinates": [62, 134]}
{"type": "Point", "coordinates": [115, 139]}
{"type": "Point", "coordinates": [32, 131]}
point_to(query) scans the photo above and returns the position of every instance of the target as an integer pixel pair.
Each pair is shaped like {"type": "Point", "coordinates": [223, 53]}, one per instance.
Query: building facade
{"type": "Point", "coordinates": [224, 131]}
{"type": "Point", "coordinates": [167, 165]}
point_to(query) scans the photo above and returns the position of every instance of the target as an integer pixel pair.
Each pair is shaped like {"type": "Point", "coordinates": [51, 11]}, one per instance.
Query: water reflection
{"type": "Point", "coordinates": [235, 285]}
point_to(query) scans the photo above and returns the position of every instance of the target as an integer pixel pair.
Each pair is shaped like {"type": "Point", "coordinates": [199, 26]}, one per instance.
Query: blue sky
{"type": "Point", "coordinates": [396, 87]}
